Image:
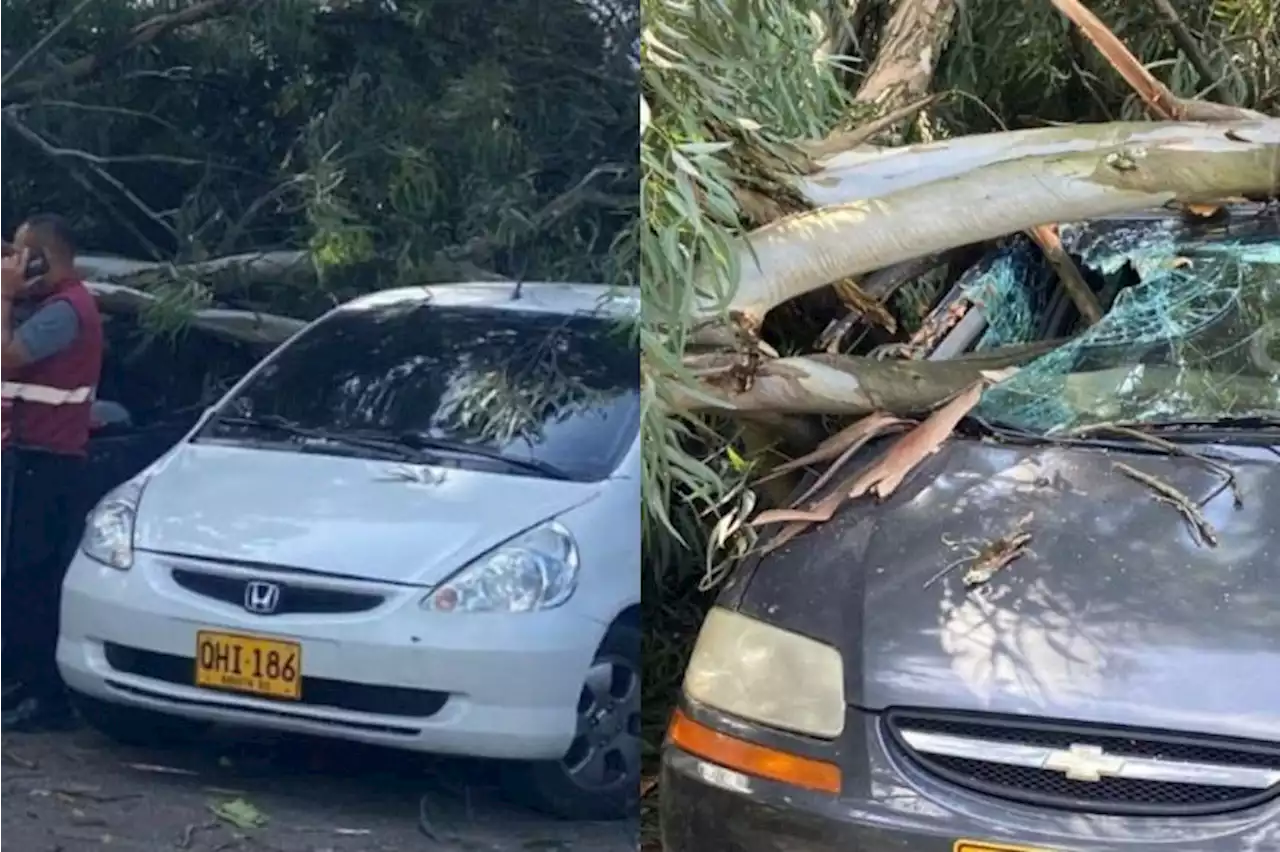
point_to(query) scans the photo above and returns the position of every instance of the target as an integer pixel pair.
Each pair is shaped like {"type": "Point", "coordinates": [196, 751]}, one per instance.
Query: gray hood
{"type": "Point", "coordinates": [1116, 615]}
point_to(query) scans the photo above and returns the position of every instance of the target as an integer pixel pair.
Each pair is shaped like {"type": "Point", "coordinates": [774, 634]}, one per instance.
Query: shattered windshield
{"type": "Point", "coordinates": [1192, 333]}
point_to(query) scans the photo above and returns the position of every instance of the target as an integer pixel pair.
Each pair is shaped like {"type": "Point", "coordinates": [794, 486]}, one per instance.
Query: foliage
{"type": "Point", "coordinates": [713, 74]}
{"type": "Point", "coordinates": [1021, 63]}
{"type": "Point", "coordinates": [399, 142]}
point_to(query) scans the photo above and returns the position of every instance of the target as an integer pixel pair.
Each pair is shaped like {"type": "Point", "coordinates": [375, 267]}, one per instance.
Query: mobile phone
{"type": "Point", "coordinates": [37, 264]}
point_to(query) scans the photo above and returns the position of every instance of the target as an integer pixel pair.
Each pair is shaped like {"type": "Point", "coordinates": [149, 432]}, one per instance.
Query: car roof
{"type": "Point", "coordinates": [532, 296]}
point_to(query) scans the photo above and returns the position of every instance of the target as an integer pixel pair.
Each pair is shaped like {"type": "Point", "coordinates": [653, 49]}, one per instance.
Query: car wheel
{"type": "Point", "coordinates": [135, 727]}
{"type": "Point", "coordinates": [599, 776]}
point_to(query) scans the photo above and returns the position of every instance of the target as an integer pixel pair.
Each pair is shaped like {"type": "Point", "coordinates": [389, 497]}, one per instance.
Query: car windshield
{"type": "Point", "coordinates": [551, 394]}
{"type": "Point", "coordinates": [1196, 337]}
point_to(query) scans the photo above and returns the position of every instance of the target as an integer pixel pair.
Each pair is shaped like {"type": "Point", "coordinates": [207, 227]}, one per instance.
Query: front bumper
{"type": "Point", "coordinates": [887, 804]}
{"type": "Point", "coordinates": [480, 685]}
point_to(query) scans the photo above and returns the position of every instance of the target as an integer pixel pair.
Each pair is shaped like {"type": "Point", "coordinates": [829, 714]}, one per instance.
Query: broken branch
{"type": "Point", "coordinates": [1162, 102]}
{"type": "Point", "coordinates": [1046, 236]}
{"type": "Point", "coordinates": [1166, 493]}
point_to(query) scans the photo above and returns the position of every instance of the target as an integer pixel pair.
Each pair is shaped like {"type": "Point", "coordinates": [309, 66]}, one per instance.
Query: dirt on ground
{"type": "Point", "coordinates": [77, 792]}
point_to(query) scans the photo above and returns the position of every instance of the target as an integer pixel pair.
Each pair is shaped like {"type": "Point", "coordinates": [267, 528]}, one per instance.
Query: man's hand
{"type": "Point", "coordinates": [13, 275]}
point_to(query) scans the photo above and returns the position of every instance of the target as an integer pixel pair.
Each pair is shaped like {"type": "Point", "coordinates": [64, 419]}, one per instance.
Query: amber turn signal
{"type": "Point", "coordinates": [752, 759]}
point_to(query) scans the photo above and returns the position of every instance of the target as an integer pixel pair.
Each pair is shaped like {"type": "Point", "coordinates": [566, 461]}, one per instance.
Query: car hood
{"type": "Point", "coordinates": [378, 520]}
{"type": "Point", "coordinates": [1117, 613]}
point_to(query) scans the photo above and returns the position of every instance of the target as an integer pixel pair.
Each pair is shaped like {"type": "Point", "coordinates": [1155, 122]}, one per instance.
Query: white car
{"type": "Point", "coordinates": [415, 524]}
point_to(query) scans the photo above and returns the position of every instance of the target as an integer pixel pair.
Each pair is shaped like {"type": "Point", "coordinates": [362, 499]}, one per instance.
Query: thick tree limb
{"type": "Point", "coordinates": [257, 266]}
{"type": "Point", "coordinates": [844, 385]}
{"type": "Point", "coordinates": [1154, 167]}
{"type": "Point", "coordinates": [910, 46]}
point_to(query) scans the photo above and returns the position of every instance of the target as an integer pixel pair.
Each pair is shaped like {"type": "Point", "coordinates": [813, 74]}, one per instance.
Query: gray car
{"type": "Point", "coordinates": [891, 681]}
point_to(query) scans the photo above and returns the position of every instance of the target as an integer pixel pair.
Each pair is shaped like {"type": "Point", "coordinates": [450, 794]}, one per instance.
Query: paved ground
{"type": "Point", "coordinates": [76, 792]}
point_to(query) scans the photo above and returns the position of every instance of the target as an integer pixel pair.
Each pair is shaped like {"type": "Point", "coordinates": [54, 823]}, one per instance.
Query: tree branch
{"type": "Point", "coordinates": [58, 154]}
{"type": "Point", "coordinates": [579, 195]}
{"type": "Point", "coordinates": [1190, 46]}
{"type": "Point", "coordinates": [44, 42]}
{"type": "Point", "coordinates": [1156, 95]}
{"type": "Point", "coordinates": [144, 33]}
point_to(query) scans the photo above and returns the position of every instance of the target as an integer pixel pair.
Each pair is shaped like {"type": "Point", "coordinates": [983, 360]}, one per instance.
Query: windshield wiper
{"type": "Point", "coordinates": [1247, 422]}
{"type": "Point", "coordinates": [276, 423]}
{"type": "Point", "coordinates": [422, 441]}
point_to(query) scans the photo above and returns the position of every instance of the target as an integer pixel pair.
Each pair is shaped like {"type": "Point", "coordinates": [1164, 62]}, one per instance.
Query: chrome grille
{"type": "Point", "coordinates": [1088, 768]}
{"type": "Point", "coordinates": [294, 598]}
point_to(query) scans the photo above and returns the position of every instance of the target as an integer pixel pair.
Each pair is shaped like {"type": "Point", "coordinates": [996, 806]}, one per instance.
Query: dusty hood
{"type": "Point", "coordinates": [1117, 614]}
{"type": "Point", "coordinates": [374, 519]}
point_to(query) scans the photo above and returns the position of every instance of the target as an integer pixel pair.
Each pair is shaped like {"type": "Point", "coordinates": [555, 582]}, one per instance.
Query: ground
{"type": "Point", "coordinates": [76, 792]}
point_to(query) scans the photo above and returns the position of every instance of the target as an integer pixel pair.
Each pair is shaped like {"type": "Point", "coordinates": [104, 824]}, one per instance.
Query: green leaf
{"type": "Point", "coordinates": [239, 813]}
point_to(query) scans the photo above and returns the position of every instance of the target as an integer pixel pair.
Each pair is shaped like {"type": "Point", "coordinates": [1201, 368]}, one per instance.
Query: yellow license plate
{"type": "Point", "coordinates": [252, 664]}
{"type": "Point", "coordinates": [982, 846]}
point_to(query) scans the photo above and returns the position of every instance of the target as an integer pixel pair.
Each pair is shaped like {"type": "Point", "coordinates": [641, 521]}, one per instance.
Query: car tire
{"type": "Point", "coordinates": [599, 777]}
{"type": "Point", "coordinates": [135, 727]}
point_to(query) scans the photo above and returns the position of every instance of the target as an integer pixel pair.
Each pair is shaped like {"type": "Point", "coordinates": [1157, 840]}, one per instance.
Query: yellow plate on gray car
{"type": "Point", "coordinates": [981, 846]}
{"type": "Point", "coordinates": [252, 664]}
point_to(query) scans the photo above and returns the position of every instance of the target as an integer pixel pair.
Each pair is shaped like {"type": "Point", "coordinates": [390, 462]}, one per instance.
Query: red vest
{"type": "Point", "coordinates": [47, 403]}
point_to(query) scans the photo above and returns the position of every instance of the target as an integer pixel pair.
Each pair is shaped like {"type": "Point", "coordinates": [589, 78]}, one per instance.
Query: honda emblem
{"type": "Point", "coordinates": [261, 597]}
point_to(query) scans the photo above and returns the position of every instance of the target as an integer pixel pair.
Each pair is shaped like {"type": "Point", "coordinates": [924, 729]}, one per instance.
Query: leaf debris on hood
{"type": "Point", "coordinates": [994, 556]}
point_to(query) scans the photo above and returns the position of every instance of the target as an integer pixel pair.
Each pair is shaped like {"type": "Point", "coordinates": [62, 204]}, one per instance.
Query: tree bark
{"type": "Point", "coordinates": [845, 385]}
{"type": "Point", "coordinates": [1156, 166]}
{"type": "Point", "coordinates": [910, 46]}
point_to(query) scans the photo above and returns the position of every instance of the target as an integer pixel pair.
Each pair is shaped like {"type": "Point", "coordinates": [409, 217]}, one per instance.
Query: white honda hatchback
{"type": "Point", "coordinates": [416, 524]}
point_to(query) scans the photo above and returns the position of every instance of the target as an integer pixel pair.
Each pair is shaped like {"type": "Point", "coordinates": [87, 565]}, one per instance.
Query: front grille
{"type": "Point", "coordinates": [990, 773]}
{"type": "Point", "coordinates": [294, 599]}
{"type": "Point", "coordinates": [316, 692]}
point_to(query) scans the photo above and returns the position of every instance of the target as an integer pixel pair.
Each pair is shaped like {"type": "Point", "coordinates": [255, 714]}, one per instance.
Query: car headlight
{"type": "Point", "coordinates": [535, 570]}
{"type": "Point", "coordinates": [768, 675]}
{"type": "Point", "coordinates": [108, 531]}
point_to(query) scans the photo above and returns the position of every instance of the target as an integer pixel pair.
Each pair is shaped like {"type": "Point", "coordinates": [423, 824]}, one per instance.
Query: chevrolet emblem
{"type": "Point", "coordinates": [1084, 763]}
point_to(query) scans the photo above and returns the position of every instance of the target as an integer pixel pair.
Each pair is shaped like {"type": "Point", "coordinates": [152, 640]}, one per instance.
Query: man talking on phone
{"type": "Point", "coordinates": [52, 359]}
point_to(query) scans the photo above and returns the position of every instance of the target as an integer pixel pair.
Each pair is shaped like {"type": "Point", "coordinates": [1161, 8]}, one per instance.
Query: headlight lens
{"type": "Point", "coordinates": [535, 570]}
{"type": "Point", "coordinates": [768, 675]}
{"type": "Point", "coordinates": [108, 531]}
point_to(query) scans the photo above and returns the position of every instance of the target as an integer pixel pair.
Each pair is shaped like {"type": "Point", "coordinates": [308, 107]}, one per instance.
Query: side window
{"type": "Point", "coordinates": [158, 379]}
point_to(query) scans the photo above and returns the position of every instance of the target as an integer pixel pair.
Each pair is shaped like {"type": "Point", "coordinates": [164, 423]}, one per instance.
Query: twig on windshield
{"type": "Point", "coordinates": [1166, 493]}
{"type": "Point", "coordinates": [1174, 449]}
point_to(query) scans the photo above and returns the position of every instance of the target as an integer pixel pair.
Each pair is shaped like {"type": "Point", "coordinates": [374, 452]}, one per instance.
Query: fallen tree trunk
{"type": "Point", "coordinates": [800, 253]}
{"type": "Point", "coordinates": [256, 266]}
{"type": "Point", "coordinates": [868, 172]}
{"type": "Point", "coordinates": [845, 384]}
